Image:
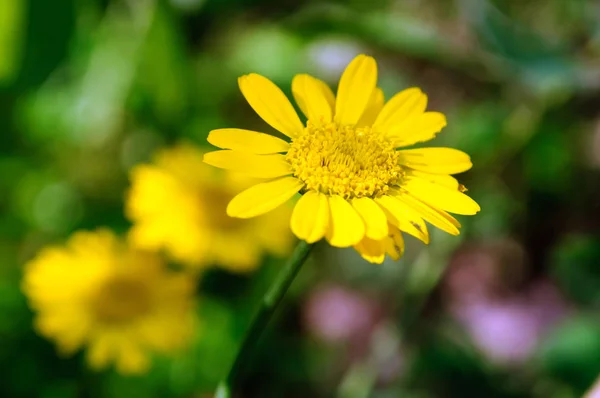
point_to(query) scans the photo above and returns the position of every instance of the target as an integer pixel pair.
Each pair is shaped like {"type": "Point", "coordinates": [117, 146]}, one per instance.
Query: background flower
{"type": "Point", "coordinates": [178, 204]}
{"type": "Point", "coordinates": [121, 304]}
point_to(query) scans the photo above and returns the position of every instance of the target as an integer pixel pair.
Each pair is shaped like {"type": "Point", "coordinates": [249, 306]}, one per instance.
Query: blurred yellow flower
{"type": "Point", "coordinates": [121, 303]}
{"type": "Point", "coordinates": [358, 189]}
{"type": "Point", "coordinates": [178, 204]}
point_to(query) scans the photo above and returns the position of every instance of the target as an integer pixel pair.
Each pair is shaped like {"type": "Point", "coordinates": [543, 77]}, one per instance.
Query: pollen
{"type": "Point", "coordinates": [344, 160]}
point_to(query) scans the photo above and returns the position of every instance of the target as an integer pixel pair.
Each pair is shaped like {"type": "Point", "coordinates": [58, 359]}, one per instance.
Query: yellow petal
{"type": "Point", "coordinates": [100, 351]}
{"type": "Point", "coordinates": [376, 226]}
{"type": "Point", "coordinates": [419, 128]}
{"type": "Point", "coordinates": [244, 258]}
{"type": "Point", "coordinates": [372, 250]}
{"type": "Point", "coordinates": [271, 104]}
{"type": "Point", "coordinates": [354, 91]}
{"type": "Point", "coordinates": [395, 244]}
{"type": "Point", "coordinates": [263, 197]}
{"type": "Point", "coordinates": [404, 217]}
{"type": "Point", "coordinates": [436, 160]}
{"type": "Point", "coordinates": [405, 104]}
{"type": "Point", "coordinates": [437, 218]}
{"type": "Point", "coordinates": [328, 93]}
{"type": "Point", "coordinates": [438, 196]}
{"type": "Point", "coordinates": [247, 141]}
{"type": "Point", "coordinates": [132, 359]}
{"type": "Point", "coordinates": [310, 217]}
{"type": "Point", "coordinates": [346, 228]}
{"type": "Point", "coordinates": [440, 179]}
{"type": "Point", "coordinates": [258, 166]}
{"type": "Point", "coordinates": [373, 108]}
{"type": "Point", "coordinates": [314, 98]}
{"type": "Point", "coordinates": [448, 217]}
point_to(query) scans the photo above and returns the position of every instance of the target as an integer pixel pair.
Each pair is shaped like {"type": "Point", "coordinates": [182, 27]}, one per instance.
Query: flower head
{"type": "Point", "coordinates": [178, 204]}
{"type": "Point", "coordinates": [357, 188]}
{"type": "Point", "coordinates": [120, 303]}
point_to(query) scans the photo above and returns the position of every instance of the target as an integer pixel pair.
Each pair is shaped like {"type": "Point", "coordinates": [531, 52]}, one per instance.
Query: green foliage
{"type": "Point", "coordinates": [572, 352]}
{"type": "Point", "coordinates": [12, 22]}
{"type": "Point", "coordinates": [575, 266]}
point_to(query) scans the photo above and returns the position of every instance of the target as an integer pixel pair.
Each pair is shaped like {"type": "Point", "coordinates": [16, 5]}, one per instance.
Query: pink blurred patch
{"type": "Point", "coordinates": [358, 324]}
{"type": "Point", "coordinates": [337, 314]}
{"type": "Point", "coordinates": [507, 330]}
{"type": "Point", "coordinates": [594, 392]}
{"type": "Point", "coordinates": [331, 56]}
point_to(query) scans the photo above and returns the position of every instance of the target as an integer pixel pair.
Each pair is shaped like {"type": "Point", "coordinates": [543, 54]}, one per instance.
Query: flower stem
{"type": "Point", "coordinates": [268, 305]}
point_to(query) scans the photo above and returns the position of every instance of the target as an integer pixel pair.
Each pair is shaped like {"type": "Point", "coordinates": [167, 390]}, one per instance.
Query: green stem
{"type": "Point", "coordinates": [268, 305]}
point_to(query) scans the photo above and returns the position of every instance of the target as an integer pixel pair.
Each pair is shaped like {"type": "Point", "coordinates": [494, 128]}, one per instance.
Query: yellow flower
{"type": "Point", "coordinates": [120, 303]}
{"type": "Point", "coordinates": [358, 189]}
{"type": "Point", "coordinates": [178, 204]}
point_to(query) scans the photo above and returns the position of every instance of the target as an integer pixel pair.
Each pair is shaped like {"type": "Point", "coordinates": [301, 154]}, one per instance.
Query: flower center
{"type": "Point", "coordinates": [344, 160]}
{"type": "Point", "coordinates": [120, 299]}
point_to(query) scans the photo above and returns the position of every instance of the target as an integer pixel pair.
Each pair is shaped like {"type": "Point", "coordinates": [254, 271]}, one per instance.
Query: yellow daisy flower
{"type": "Point", "coordinates": [178, 204]}
{"type": "Point", "coordinates": [121, 303]}
{"type": "Point", "coordinates": [358, 188]}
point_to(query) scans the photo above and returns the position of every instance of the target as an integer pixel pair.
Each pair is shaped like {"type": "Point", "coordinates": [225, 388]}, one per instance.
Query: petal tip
{"type": "Point", "coordinates": [211, 139]}
{"type": "Point", "coordinates": [230, 211]}
{"type": "Point", "coordinates": [361, 56]}
{"type": "Point", "coordinates": [375, 260]}
{"type": "Point", "coordinates": [206, 157]}
{"type": "Point", "coordinates": [311, 240]}
{"type": "Point", "coordinates": [443, 120]}
{"type": "Point", "coordinates": [371, 61]}
{"type": "Point", "coordinates": [299, 76]}
{"type": "Point", "coordinates": [235, 213]}
{"type": "Point", "coordinates": [345, 241]}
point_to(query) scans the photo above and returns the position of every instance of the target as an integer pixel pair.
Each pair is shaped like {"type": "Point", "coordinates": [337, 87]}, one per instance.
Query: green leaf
{"type": "Point", "coordinates": [12, 22]}
{"type": "Point", "coordinates": [575, 266]}
{"type": "Point", "coordinates": [572, 352]}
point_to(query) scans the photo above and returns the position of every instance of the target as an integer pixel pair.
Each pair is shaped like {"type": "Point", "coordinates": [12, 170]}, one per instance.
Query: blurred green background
{"type": "Point", "coordinates": [89, 88]}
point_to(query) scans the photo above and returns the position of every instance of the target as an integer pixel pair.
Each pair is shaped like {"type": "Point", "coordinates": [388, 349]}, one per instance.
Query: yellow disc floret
{"type": "Point", "coordinates": [121, 299]}
{"type": "Point", "coordinates": [344, 160]}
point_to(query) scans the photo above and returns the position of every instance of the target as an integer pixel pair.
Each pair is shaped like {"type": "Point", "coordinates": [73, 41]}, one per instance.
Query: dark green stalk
{"type": "Point", "coordinates": [268, 305]}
